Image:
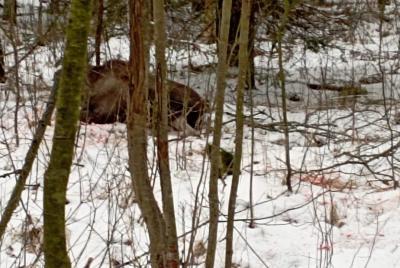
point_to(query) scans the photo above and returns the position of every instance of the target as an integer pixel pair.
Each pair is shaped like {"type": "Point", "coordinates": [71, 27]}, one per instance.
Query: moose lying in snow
{"type": "Point", "coordinates": [107, 93]}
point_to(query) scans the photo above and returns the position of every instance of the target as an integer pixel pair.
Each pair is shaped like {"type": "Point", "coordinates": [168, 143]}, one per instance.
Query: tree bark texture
{"type": "Point", "coordinates": [3, 77]}
{"type": "Point", "coordinates": [137, 136]}
{"type": "Point", "coordinates": [209, 18]}
{"type": "Point", "coordinates": [215, 150]}
{"type": "Point", "coordinates": [10, 11]}
{"type": "Point", "coordinates": [233, 48]}
{"type": "Point", "coordinates": [243, 65]}
{"type": "Point", "coordinates": [233, 29]}
{"type": "Point", "coordinates": [282, 79]}
{"type": "Point", "coordinates": [99, 31]}
{"type": "Point", "coordinates": [68, 103]}
{"type": "Point", "coordinates": [162, 133]}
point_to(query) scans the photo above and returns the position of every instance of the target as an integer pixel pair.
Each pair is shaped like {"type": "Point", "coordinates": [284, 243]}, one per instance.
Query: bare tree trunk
{"type": "Point", "coordinates": [68, 103]}
{"type": "Point", "coordinates": [215, 150]}
{"type": "Point", "coordinates": [41, 40]}
{"type": "Point", "coordinates": [280, 34]}
{"type": "Point", "coordinates": [137, 137]}
{"type": "Point", "coordinates": [381, 7]}
{"type": "Point", "coordinates": [10, 11]}
{"type": "Point", "coordinates": [2, 66]}
{"type": "Point", "coordinates": [233, 29]}
{"type": "Point", "coordinates": [252, 223]}
{"type": "Point", "coordinates": [209, 18]}
{"type": "Point", "coordinates": [54, 7]}
{"type": "Point", "coordinates": [243, 67]}
{"type": "Point", "coordinates": [251, 81]}
{"type": "Point", "coordinates": [99, 31]}
{"type": "Point", "coordinates": [162, 134]}
{"type": "Point", "coordinates": [233, 49]}
{"type": "Point", "coordinates": [14, 43]}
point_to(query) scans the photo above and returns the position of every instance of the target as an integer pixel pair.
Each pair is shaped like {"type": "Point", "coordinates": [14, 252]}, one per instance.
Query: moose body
{"type": "Point", "coordinates": [106, 97]}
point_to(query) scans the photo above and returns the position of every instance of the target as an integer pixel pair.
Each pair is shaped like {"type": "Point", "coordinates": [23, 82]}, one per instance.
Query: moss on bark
{"type": "Point", "coordinates": [68, 103]}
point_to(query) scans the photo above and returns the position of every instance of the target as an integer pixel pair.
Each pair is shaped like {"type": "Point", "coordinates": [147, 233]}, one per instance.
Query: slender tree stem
{"type": "Point", "coordinates": [162, 134]}
{"type": "Point", "coordinates": [243, 75]}
{"type": "Point", "coordinates": [283, 89]}
{"type": "Point", "coordinates": [215, 150]}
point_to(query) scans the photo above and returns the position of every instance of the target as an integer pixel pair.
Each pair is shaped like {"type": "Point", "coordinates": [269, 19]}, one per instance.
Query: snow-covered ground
{"type": "Point", "coordinates": [341, 214]}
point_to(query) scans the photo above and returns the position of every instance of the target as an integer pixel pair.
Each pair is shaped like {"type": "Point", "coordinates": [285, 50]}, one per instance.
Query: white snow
{"type": "Point", "coordinates": [291, 230]}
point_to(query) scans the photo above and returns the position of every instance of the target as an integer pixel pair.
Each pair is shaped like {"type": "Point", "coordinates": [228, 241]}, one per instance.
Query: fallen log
{"type": "Point", "coordinates": [345, 90]}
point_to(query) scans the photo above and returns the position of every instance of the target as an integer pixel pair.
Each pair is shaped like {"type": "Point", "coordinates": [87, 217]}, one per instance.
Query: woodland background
{"type": "Point", "coordinates": [303, 100]}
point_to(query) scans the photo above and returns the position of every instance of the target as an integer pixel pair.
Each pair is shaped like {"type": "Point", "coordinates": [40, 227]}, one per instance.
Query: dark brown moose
{"type": "Point", "coordinates": [107, 92]}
